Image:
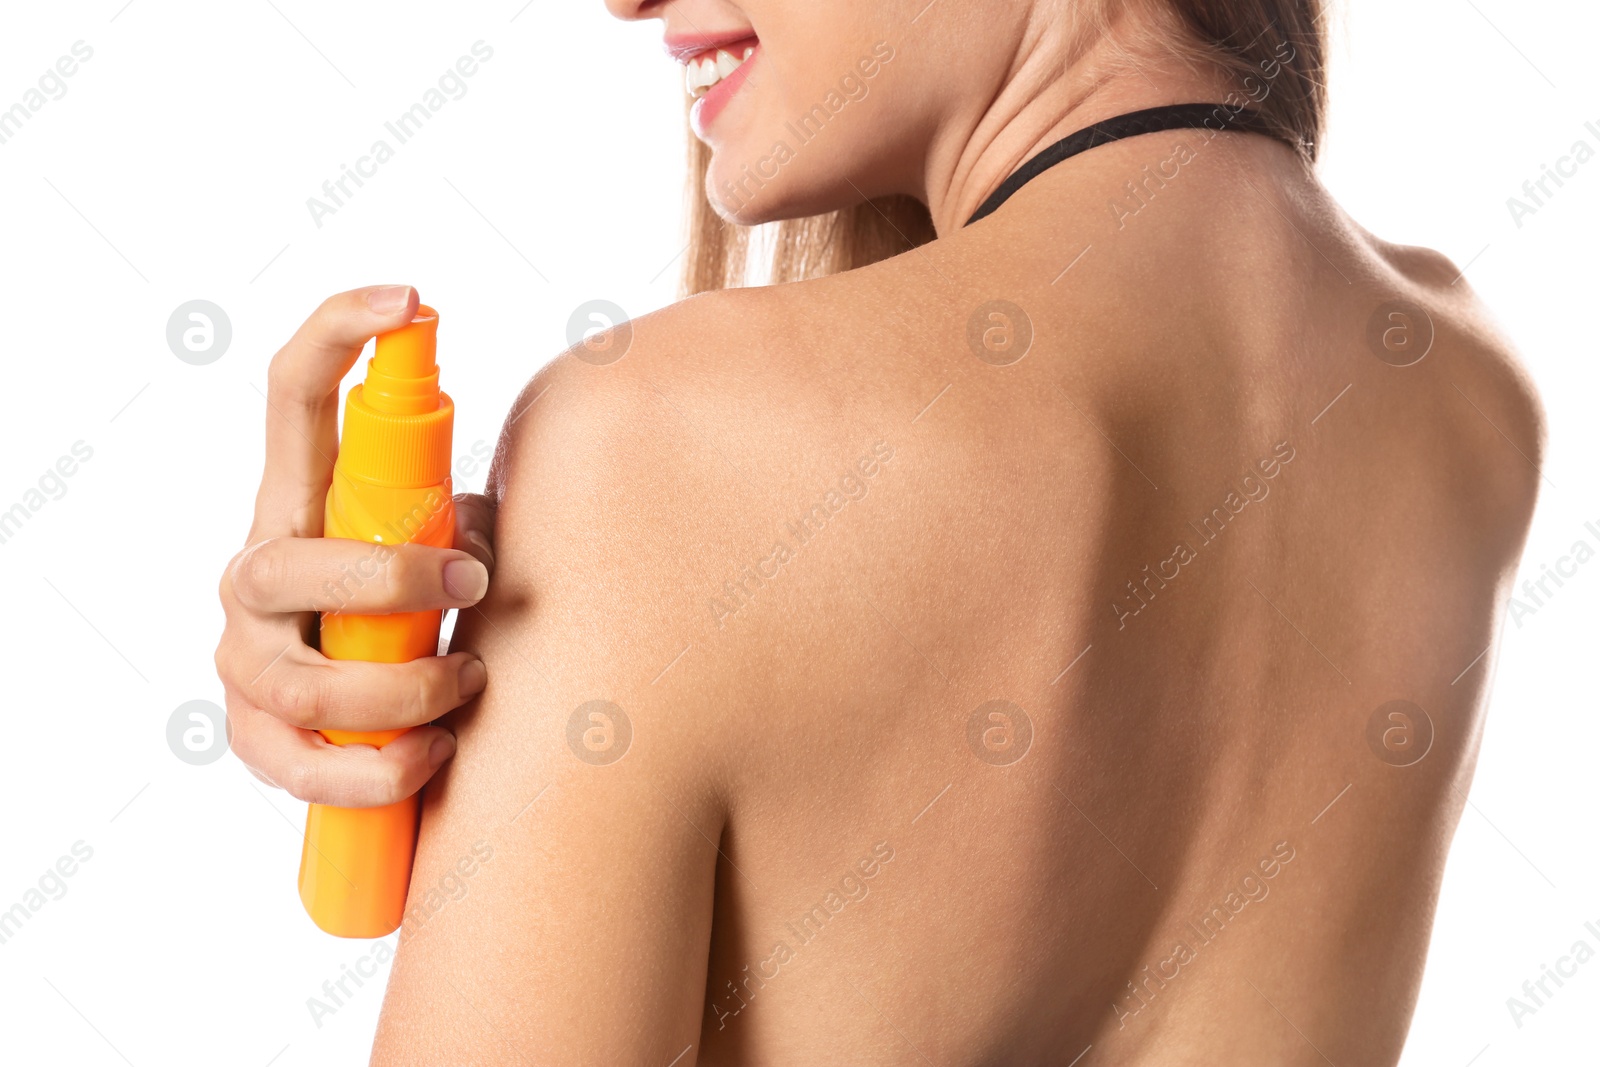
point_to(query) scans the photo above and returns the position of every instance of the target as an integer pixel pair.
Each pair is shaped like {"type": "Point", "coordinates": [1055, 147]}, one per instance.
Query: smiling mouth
{"type": "Point", "coordinates": [704, 70]}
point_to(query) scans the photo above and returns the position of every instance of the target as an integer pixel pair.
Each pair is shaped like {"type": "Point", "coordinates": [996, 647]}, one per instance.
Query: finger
{"type": "Point", "coordinates": [251, 644]}
{"type": "Point", "coordinates": [307, 690]}
{"type": "Point", "coordinates": [355, 776]}
{"type": "Point", "coordinates": [475, 527]}
{"type": "Point", "coordinates": [289, 574]}
{"type": "Point", "coordinates": [303, 403]}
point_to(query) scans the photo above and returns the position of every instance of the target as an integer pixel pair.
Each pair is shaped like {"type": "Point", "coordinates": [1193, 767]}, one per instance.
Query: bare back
{"type": "Point", "coordinates": [1085, 625]}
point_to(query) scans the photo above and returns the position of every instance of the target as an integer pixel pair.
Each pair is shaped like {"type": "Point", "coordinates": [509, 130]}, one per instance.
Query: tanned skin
{"type": "Point", "coordinates": [1182, 839]}
{"type": "Point", "coordinates": [1066, 642]}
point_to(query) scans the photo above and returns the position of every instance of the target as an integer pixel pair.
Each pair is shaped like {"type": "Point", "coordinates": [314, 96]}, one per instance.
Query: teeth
{"type": "Point", "coordinates": [699, 75]}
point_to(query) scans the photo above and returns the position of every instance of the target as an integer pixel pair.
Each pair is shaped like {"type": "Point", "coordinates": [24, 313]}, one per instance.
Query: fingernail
{"type": "Point", "coordinates": [482, 542]}
{"type": "Point", "coordinates": [473, 676]}
{"type": "Point", "coordinates": [466, 579]}
{"type": "Point", "coordinates": [440, 750]}
{"type": "Point", "coordinates": [389, 299]}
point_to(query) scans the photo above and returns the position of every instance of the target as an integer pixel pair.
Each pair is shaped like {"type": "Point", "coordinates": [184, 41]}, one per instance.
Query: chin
{"type": "Point", "coordinates": [760, 177]}
{"type": "Point", "coordinates": [748, 186]}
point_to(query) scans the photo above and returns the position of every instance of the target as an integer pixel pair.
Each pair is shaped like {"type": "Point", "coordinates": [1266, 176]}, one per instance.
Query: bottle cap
{"type": "Point", "coordinates": [398, 424]}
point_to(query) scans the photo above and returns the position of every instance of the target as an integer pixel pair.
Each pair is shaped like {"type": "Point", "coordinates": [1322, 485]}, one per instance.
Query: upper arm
{"type": "Point", "coordinates": [561, 901]}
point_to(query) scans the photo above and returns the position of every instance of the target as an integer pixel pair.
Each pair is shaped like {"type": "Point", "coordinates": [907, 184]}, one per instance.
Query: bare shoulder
{"type": "Point", "coordinates": [1478, 344]}
{"type": "Point", "coordinates": [1485, 352]}
{"type": "Point", "coordinates": [635, 478]}
{"type": "Point", "coordinates": [618, 451]}
{"type": "Point", "coordinates": [706, 391]}
{"type": "Point", "coordinates": [606, 421]}
{"type": "Point", "coordinates": [1495, 436]}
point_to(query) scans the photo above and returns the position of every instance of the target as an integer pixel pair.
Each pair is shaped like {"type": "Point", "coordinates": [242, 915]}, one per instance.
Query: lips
{"type": "Point", "coordinates": [701, 72]}
{"type": "Point", "coordinates": [683, 46]}
{"type": "Point", "coordinates": [715, 66]}
{"type": "Point", "coordinates": [709, 106]}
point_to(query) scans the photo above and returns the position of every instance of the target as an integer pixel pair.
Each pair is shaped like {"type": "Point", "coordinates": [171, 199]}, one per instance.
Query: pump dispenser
{"type": "Point", "coordinates": [391, 484]}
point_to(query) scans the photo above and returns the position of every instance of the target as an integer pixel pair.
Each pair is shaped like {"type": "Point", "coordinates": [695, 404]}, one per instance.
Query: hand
{"type": "Point", "coordinates": [281, 690]}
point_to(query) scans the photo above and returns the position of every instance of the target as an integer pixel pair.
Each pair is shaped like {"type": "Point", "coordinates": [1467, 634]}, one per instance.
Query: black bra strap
{"type": "Point", "coordinates": [1151, 120]}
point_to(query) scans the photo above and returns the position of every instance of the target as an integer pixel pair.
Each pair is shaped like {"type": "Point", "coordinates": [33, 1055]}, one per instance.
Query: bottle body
{"type": "Point", "coordinates": [391, 485]}
{"type": "Point", "coordinates": [355, 865]}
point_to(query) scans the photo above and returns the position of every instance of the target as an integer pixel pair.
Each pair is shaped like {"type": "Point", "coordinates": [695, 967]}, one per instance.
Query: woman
{"type": "Point", "coordinates": [1053, 627]}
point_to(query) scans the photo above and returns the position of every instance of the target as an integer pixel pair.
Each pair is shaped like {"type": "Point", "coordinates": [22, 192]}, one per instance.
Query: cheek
{"type": "Point", "coordinates": [776, 121]}
{"type": "Point", "coordinates": [801, 123]}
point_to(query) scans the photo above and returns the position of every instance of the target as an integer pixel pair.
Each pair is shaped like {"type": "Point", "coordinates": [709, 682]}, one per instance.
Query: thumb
{"type": "Point", "coordinates": [303, 404]}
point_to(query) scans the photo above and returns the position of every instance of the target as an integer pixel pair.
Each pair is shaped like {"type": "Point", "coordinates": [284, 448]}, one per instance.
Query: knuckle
{"type": "Point", "coordinates": [246, 745]}
{"type": "Point", "coordinates": [281, 384]}
{"type": "Point", "coordinates": [435, 687]}
{"type": "Point", "coordinates": [222, 659]}
{"type": "Point", "coordinates": [275, 369]}
{"type": "Point", "coordinates": [296, 699]}
{"type": "Point", "coordinates": [300, 780]}
{"type": "Point", "coordinates": [331, 306]}
{"type": "Point", "coordinates": [318, 329]}
{"type": "Point", "coordinates": [228, 586]}
{"type": "Point", "coordinates": [238, 739]}
{"type": "Point", "coordinates": [260, 776]}
{"type": "Point", "coordinates": [389, 781]}
{"type": "Point", "coordinates": [257, 570]}
{"type": "Point", "coordinates": [403, 573]}
{"type": "Point", "coordinates": [232, 659]}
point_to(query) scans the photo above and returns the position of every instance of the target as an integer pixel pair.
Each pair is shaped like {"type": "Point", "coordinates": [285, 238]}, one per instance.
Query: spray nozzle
{"type": "Point", "coordinates": [402, 376]}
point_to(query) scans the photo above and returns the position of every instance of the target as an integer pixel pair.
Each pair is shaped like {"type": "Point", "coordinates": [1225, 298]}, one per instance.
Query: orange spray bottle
{"type": "Point", "coordinates": [391, 484]}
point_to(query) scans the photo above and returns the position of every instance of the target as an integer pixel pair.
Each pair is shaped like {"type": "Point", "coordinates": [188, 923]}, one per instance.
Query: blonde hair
{"type": "Point", "coordinates": [1241, 38]}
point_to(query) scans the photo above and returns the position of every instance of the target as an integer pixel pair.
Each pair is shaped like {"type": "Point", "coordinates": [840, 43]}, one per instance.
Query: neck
{"type": "Point", "coordinates": [1055, 85]}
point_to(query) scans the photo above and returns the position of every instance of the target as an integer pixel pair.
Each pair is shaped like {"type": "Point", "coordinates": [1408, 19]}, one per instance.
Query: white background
{"type": "Point", "coordinates": [177, 166]}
